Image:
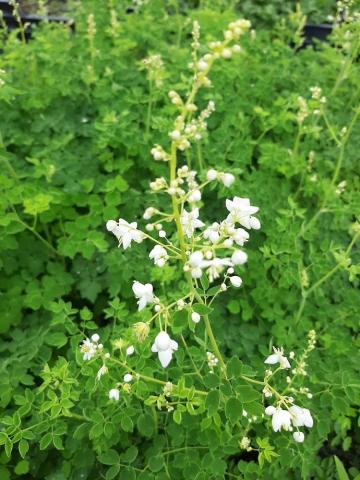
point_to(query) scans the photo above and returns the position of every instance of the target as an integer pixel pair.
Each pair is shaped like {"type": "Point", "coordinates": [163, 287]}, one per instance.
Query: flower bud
{"type": "Point", "coordinates": [195, 317]}
{"type": "Point", "coordinates": [235, 281]}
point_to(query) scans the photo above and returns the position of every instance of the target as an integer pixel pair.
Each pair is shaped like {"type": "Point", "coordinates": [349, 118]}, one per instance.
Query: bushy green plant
{"type": "Point", "coordinates": [81, 113]}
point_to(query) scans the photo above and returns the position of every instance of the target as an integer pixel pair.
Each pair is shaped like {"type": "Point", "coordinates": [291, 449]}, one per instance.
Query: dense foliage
{"type": "Point", "coordinates": [79, 118]}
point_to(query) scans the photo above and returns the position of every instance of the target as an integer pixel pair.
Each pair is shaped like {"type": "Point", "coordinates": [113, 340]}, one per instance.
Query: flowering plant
{"type": "Point", "coordinates": [178, 355]}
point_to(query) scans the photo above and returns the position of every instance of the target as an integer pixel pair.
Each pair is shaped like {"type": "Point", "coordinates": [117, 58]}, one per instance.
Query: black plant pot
{"type": "Point", "coordinates": [313, 32]}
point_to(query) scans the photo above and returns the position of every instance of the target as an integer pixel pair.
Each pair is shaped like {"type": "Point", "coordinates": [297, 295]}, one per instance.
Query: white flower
{"type": "Point", "coordinates": [278, 357]}
{"type": "Point", "coordinates": [195, 317]}
{"type": "Point", "coordinates": [239, 257]}
{"type": "Point", "coordinates": [298, 437]}
{"type": "Point", "coordinates": [114, 394]}
{"type": "Point", "coordinates": [301, 417]}
{"type": "Point", "coordinates": [125, 232]}
{"type": "Point", "coordinates": [195, 263]}
{"type": "Point", "coordinates": [164, 347]}
{"type": "Point", "coordinates": [144, 293]}
{"type": "Point", "coordinates": [281, 420]}
{"type": "Point", "coordinates": [189, 221]}
{"type": "Point", "coordinates": [130, 350]}
{"type": "Point", "coordinates": [227, 179]}
{"type": "Point", "coordinates": [88, 348]}
{"type": "Point", "coordinates": [211, 175]}
{"type": "Point", "coordinates": [159, 255]}
{"type": "Point", "coordinates": [235, 281]}
{"type": "Point", "coordinates": [241, 212]}
{"type": "Point", "coordinates": [95, 338]}
{"type": "Point", "coordinates": [128, 377]}
{"type": "Point", "coordinates": [240, 236]}
{"type": "Point", "coordinates": [195, 196]}
{"type": "Point", "coordinates": [215, 267]}
{"type": "Point", "coordinates": [270, 410]}
{"type": "Point", "coordinates": [212, 233]}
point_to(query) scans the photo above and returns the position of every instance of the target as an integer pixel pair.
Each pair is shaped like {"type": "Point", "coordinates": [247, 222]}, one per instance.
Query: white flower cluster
{"type": "Point", "coordinates": [125, 232]}
{"type": "Point", "coordinates": [293, 416]}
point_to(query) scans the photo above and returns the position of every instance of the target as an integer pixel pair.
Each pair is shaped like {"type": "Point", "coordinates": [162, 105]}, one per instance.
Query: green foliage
{"type": "Point", "coordinates": [74, 154]}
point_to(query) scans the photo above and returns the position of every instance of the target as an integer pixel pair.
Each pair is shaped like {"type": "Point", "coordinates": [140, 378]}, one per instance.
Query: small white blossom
{"type": "Point", "coordinates": [278, 357]}
{"type": "Point", "coordinates": [270, 410]}
{"type": "Point", "coordinates": [301, 417]}
{"type": "Point", "coordinates": [95, 337]}
{"type": "Point", "coordinates": [242, 212]}
{"type": "Point", "coordinates": [125, 232]}
{"type": "Point", "coordinates": [196, 261]}
{"type": "Point", "coordinates": [114, 394]}
{"type": "Point", "coordinates": [88, 349]}
{"type": "Point", "coordinates": [130, 350]}
{"type": "Point", "coordinates": [212, 233]}
{"type": "Point", "coordinates": [164, 346]}
{"type": "Point", "coordinates": [128, 377]}
{"type": "Point", "coordinates": [239, 257]}
{"type": "Point", "coordinates": [281, 420]}
{"type": "Point", "coordinates": [227, 179]}
{"type": "Point", "coordinates": [195, 317]}
{"type": "Point", "coordinates": [215, 267]}
{"type": "Point", "coordinates": [298, 437]}
{"type": "Point", "coordinates": [159, 255]}
{"type": "Point", "coordinates": [144, 293]}
{"type": "Point", "coordinates": [211, 175]}
{"type": "Point", "coordinates": [190, 221]}
{"type": "Point", "coordinates": [235, 281]}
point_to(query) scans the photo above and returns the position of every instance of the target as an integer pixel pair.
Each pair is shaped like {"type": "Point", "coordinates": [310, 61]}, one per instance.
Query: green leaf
{"type": "Point", "coordinates": [23, 447]}
{"type": "Point", "coordinates": [234, 367]}
{"type": "Point", "coordinates": [156, 463]}
{"type": "Point", "coordinates": [177, 415]}
{"type": "Point", "coordinates": [127, 424]}
{"type": "Point", "coordinates": [110, 457]}
{"type": "Point", "coordinates": [112, 472]}
{"type": "Point", "coordinates": [145, 424]}
{"type": "Point", "coordinates": [45, 441]}
{"type": "Point", "coordinates": [22, 467]}
{"type": "Point", "coordinates": [212, 402]}
{"type": "Point", "coordinates": [37, 204]}
{"type": "Point", "coordinates": [233, 409]}
{"type": "Point", "coordinates": [248, 394]}
{"type": "Point", "coordinates": [130, 454]}
{"type": "Point", "coordinates": [340, 469]}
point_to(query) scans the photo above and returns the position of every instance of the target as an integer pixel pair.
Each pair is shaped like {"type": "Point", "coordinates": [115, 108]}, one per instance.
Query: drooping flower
{"type": "Point", "coordinates": [270, 410]}
{"type": "Point", "coordinates": [95, 337]}
{"type": "Point", "coordinates": [298, 437]}
{"type": "Point", "coordinates": [196, 260]}
{"type": "Point", "coordinates": [164, 346]}
{"type": "Point", "coordinates": [128, 377]}
{"type": "Point", "coordinates": [190, 221]}
{"type": "Point", "coordinates": [227, 179]}
{"type": "Point", "coordinates": [301, 417]}
{"type": "Point", "coordinates": [125, 232]}
{"type": "Point", "coordinates": [144, 293]}
{"type": "Point", "coordinates": [278, 357]}
{"type": "Point", "coordinates": [114, 394]}
{"type": "Point", "coordinates": [159, 255]}
{"type": "Point", "coordinates": [239, 257]}
{"type": "Point", "coordinates": [242, 212]}
{"type": "Point", "coordinates": [281, 420]}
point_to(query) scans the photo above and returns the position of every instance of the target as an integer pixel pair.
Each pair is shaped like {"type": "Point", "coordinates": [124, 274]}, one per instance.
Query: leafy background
{"type": "Point", "coordinates": [74, 154]}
